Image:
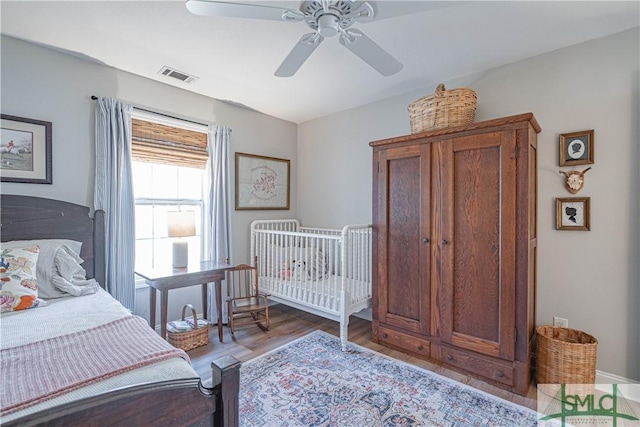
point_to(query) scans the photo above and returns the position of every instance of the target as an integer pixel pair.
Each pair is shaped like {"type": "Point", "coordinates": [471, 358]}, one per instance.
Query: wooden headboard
{"type": "Point", "coordinates": [30, 218]}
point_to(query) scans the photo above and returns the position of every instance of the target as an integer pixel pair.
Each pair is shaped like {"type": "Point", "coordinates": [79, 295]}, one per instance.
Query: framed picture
{"type": "Point", "coordinates": [261, 182]}
{"type": "Point", "coordinates": [572, 213]}
{"type": "Point", "coordinates": [576, 148]}
{"type": "Point", "coordinates": [25, 150]}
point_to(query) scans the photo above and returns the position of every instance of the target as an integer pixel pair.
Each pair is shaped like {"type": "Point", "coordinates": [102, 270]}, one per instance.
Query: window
{"type": "Point", "coordinates": [168, 175]}
{"type": "Point", "coordinates": [158, 189]}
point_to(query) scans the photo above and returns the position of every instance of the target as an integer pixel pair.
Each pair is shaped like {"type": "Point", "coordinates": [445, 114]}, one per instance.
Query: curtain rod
{"type": "Point", "coordinates": [161, 114]}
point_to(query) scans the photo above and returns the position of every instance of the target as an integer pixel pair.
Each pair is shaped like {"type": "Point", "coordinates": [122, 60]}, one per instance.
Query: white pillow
{"type": "Point", "coordinates": [319, 264]}
{"type": "Point", "coordinates": [46, 267]}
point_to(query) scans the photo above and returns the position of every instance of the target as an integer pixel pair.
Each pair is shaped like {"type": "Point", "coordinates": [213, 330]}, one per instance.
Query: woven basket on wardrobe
{"type": "Point", "coordinates": [565, 356]}
{"type": "Point", "coordinates": [442, 109]}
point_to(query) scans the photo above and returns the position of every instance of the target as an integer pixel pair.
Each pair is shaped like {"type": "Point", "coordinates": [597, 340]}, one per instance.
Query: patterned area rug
{"type": "Point", "coordinates": [311, 382]}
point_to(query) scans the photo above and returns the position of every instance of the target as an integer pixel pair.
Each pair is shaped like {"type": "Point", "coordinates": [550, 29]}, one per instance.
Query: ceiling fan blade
{"type": "Point", "coordinates": [300, 52]}
{"type": "Point", "coordinates": [242, 10]}
{"type": "Point", "coordinates": [378, 58]}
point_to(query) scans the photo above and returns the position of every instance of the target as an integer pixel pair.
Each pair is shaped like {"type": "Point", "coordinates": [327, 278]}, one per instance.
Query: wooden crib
{"type": "Point", "coordinates": [322, 271]}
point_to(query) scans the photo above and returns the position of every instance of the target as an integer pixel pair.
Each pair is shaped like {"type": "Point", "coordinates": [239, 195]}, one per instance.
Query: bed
{"type": "Point", "coordinates": [48, 347]}
{"type": "Point", "coordinates": [322, 271]}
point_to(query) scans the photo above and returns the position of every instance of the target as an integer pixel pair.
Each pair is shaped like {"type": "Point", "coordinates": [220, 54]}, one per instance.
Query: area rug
{"type": "Point", "coordinates": [311, 382]}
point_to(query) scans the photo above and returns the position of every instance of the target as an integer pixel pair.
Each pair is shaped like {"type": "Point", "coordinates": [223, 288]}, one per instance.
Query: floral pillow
{"type": "Point", "coordinates": [19, 286]}
{"type": "Point", "coordinates": [46, 270]}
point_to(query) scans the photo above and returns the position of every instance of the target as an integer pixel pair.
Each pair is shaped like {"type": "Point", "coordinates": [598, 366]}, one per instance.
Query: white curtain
{"type": "Point", "coordinates": [217, 206]}
{"type": "Point", "coordinates": [114, 195]}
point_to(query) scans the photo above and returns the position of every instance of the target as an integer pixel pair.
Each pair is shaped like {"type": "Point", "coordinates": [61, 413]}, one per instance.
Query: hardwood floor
{"type": "Point", "coordinates": [287, 324]}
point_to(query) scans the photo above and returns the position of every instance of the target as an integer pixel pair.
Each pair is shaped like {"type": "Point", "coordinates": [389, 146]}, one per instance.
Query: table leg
{"type": "Point", "coordinates": [152, 308]}
{"type": "Point", "coordinates": [205, 300]}
{"type": "Point", "coordinates": [218, 283]}
{"type": "Point", "coordinates": [164, 296]}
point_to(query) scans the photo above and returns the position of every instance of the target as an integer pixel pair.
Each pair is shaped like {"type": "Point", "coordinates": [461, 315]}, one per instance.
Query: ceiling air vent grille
{"type": "Point", "coordinates": [183, 77]}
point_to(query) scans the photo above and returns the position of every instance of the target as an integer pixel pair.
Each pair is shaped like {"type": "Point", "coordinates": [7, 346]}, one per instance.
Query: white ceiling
{"type": "Point", "coordinates": [235, 58]}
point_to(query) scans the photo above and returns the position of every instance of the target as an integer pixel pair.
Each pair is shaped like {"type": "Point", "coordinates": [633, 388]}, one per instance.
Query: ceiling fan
{"type": "Point", "coordinates": [327, 18]}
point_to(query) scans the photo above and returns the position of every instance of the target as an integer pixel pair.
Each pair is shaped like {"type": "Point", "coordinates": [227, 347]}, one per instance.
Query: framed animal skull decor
{"type": "Point", "coordinates": [574, 180]}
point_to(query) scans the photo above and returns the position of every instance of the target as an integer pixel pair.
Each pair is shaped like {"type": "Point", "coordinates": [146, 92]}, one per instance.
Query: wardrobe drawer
{"type": "Point", "coordinates": [404, 341]}
{"type": "Point", "coordinates": [495, 370]}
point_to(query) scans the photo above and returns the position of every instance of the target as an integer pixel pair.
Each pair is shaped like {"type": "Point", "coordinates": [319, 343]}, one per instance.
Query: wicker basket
{"type": "Point", "coordinates": [565, 356]}
{"type": "Point", "coordinates": [188, 340]}
{"type": "Point", "coordinates": [445, 108]}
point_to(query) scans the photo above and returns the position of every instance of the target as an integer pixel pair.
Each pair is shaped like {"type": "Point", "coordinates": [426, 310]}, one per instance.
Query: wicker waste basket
{"type": "Point", "coordinates": [442, 109]}
{"type": "Point", "coordinates": [190, 339]}
{"type": "Point", "coordinates": [565, 356]}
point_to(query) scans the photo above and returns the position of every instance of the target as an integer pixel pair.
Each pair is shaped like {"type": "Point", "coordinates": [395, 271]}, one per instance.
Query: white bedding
{"type": "Point", "coordinates": [73, 314]}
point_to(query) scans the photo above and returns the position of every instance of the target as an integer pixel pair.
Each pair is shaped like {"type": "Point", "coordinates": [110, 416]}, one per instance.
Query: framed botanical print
{"type": "Point", "coordinates": [261, 182]}
{"type": "Point", "coordinates": [576, 148]}
{"type": "Point", "coordinates": [573, 213]}
{"type": "Point", "coordinates": [25, 150]}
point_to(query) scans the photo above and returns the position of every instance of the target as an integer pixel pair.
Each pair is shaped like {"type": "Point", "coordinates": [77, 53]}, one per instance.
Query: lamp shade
{"type": "Point", "coordinates": [181, 223]}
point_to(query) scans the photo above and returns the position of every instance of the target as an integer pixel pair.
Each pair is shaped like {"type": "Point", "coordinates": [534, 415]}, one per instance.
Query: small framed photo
{"type": "Point", "coordinates": [25, 150]}
{"type": "Point", "coordinates": [576, 148]}
{"type": "Point", "coordinates": [262, 182]}
{"type": "Point", "coordinates": [573, 213]}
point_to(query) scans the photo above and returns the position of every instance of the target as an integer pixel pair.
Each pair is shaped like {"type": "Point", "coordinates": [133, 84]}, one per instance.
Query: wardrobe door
{"type": "Point", "coordinates": [477, 243]}
{"type": "Point", "coordinates": [403, 221]}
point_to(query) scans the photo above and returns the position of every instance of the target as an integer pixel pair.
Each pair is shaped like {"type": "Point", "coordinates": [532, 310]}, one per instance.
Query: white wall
{"type": "Point", "coordinates": [592, 278]}
{"type": "Point", "coordinates": [47, 85]}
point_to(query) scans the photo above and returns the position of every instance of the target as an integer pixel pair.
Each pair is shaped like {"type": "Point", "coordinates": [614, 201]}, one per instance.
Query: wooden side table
{"type": "Point", "coordinates": [163, 279]}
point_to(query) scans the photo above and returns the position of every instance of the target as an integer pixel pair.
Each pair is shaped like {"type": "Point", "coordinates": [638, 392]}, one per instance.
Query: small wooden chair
{"type": "Point", "coordinates": [245, 302]}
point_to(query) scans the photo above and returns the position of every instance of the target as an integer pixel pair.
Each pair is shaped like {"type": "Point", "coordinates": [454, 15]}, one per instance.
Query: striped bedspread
{"type": "Point", "coordinates": [42, 370]}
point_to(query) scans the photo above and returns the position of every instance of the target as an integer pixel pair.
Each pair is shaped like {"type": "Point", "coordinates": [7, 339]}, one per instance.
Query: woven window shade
{"type": "Point", "coordinates": [156, 143]}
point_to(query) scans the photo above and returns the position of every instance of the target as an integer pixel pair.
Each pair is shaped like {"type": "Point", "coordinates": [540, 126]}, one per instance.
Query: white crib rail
{"type": "Point", "coordinates": [323, 231]}
{"type": "Point", "coordinates": [276, 224]}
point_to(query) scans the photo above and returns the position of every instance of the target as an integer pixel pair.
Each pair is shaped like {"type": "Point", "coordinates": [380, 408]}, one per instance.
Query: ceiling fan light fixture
{"type": "Point", "coordinates": [328, 25]}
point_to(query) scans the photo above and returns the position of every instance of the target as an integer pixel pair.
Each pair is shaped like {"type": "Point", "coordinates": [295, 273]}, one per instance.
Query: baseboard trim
{"type": "Point", "coordinates": [630, 389]}
{"type": "Point", "coordinates": [607, 378]}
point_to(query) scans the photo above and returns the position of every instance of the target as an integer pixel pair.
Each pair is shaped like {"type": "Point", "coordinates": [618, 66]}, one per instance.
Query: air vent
{"type": "Point", "coordinates": [183, 77]}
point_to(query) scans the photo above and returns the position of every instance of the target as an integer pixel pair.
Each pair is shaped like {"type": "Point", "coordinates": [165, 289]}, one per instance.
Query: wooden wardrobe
{"type": "Point", "coordinates": [454, 217]}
